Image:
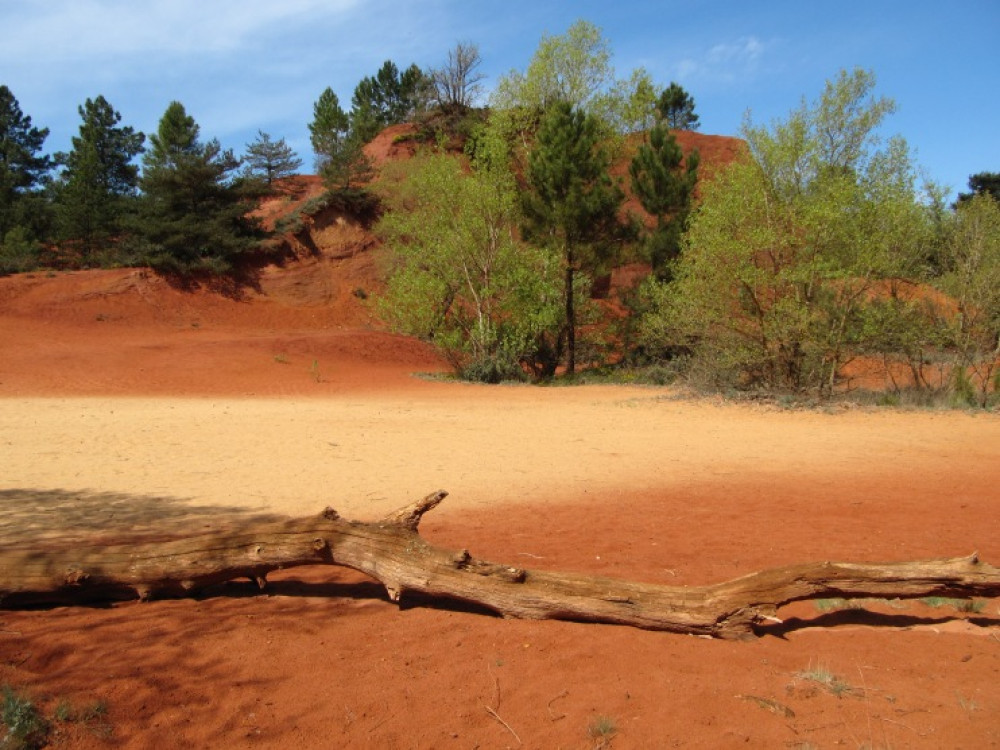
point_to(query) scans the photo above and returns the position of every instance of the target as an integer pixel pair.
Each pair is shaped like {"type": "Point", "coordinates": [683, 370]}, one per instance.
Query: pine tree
{"type": "Point", "coordinates": [572, 204]}
{"type": "Point", "coordinates": [270, 160]}
{"type": "Point", "coordinates": [664, 185]}
{"type": "Point", "coordinates": [194, 211]}
{"type": "Point", "coordinates": [387, 98]}
{"type": "Point", "coordinates": [22, 170]}
{"type": "Point", "coordinates": [676, 108]}
{"type": "Point", "coordinates": [100, 180]}
{"type": "Point", "coordinates": [329, 128]}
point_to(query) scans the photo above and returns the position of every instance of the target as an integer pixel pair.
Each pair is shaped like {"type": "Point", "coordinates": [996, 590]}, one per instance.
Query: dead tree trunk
{"type": "Point", "coordinates": [392, 551]}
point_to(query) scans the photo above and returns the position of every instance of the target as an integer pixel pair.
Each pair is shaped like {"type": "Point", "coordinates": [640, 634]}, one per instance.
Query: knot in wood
{"type": "Point", "coordinates": [74, 576]}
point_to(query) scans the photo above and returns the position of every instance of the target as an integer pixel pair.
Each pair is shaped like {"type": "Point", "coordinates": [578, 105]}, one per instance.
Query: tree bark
{"type": "Point", "coordinates": [392, 552]}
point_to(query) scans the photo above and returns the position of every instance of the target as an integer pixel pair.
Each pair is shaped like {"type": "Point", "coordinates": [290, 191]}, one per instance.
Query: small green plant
{"type": "Point", "coordinates": [962, 605]}
{"type": "Point", "coordinates": [27, 729]}
{"type": "Point", "coordinates": [828, 680]}
{"type": "Point", "coordinates": [602, 729]}
{"type": "Point", "coordinates": [281, 359]}
{"type": "Point", "coordinates": [314, 371]}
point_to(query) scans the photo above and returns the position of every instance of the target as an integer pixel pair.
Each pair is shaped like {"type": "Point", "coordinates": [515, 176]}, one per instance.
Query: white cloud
{"type": "Point", "coordinates": [725, 62]}
{"type": "Point", "coordinates": [87, 29]}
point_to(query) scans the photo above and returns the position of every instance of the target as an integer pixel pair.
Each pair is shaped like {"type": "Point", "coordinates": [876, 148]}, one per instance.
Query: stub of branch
{"type": "Point", "coordinates": [392, 552]}
{"type": "Point", "coordinates": [410, 515]}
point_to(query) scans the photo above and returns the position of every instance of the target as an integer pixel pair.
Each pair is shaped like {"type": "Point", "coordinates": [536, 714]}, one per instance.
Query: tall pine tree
{"type": "Point", "coordinates": [194, 209]}
{"type": "Point", "coordinates": [664, 182]}
{"type": "Point", "coordinates": [23, 170]}
{"type": "Point", "coordinates": [100, 180]}
{"type": "Point", "coordinates": [572, 204]}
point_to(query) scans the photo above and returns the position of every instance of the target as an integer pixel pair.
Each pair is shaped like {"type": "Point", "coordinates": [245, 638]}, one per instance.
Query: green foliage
{"type": "Point", "coordinates": [329, 128]}
{"type": "Point", "coordinates": [97, 189]}
{"type": "Point", "coordinates": [193, 212]}
{"type": "Point", "coordinates": [571, 206]}
{"type": "Point", "coordinates": [387, 98]}
{"type": "Point", "coordinates": [788, 247]}
{"type": "Point", "coordinates": [459, 278]}
{"type": "Point", "coordinates": [338, 138]}
{"type": "Point", "coordinates": [573, 69]}
{"type": "Point", "coordinates": [269, 160]}
{"type": "Point", "coordinates": [18, 252]}
{"type": "Point", "coordinates": [664, 185]}
{"type": "Point", "coordinates": [982, 183]}
{"type": "Point", "coordinates": [972, 255]}
{"type": "Point", "coordinates": [676, 108]}
{"type": "Point", "coordinates": [22, 169]}
{"type": "Point", "coordinates": [27, 729]}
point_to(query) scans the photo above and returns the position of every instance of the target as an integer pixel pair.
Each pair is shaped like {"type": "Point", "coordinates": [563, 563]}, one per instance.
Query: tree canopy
{"type": "Point", "coordinates": [193, 213]}
{"type": "Point", "coordinates": [571, 204]}
{"type": "Point", "coordinates": [461, 279]}
{"type": "Point", "coordinates": [270, 160]}
{"type": "Point", "coordinates": [664, 183]}
{"type": "Point", "coordinates": [23, 168]}
{"type": "Point", "coordinates": [787, 246]}
{"type": "Point", "coordinates": [676, 108]}
{"type": "Point", "coordinates": [100, 179]}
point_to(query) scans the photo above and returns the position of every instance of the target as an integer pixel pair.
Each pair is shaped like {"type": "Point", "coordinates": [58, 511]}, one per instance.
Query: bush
{"type": "Point", "coordinates": [18, 252]}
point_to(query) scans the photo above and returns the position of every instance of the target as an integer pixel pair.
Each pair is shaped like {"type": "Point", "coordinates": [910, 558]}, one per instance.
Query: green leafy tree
{"type": "Point", "coordinates": [98, 187]}
{"type": "Point", "coordinates": [269, 160]}
{"type": "Point", "coordinates": [676, 108]}
{"type": "Point", "coordinates": [23, 170]}
{"type": "Point", "coordinates": [193, 215]}
{"type": "Point", "coordinates": [789, 245]}
{"type": "Point", "coordinates": [571, 205]}
{"type": "Point", "coordinates": [460, 277]}
{"type": "Point", "coordinates": [972, 253]}
{"type": "Point", "coordinates": [664, 183]}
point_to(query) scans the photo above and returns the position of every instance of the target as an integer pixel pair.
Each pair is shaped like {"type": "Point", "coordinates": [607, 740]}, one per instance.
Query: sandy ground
{"type": "Point", "coordinates": [155, 422]}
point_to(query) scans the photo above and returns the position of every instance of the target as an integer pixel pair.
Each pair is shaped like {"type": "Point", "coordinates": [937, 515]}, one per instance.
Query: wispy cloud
{"type": "Point", "coordinates": [726, 62]}
{"type": "Point", "coordinates": [107, 29]}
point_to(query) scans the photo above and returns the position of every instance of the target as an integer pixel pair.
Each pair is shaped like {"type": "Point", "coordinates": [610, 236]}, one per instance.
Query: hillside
{"type": "Point", "coordinates": [306, 314]}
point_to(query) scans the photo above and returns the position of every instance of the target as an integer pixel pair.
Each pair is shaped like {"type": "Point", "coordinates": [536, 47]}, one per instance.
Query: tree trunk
{"type": "Point", "coordinates": [570, 316]}
{"type": "Point", "coordinates": [392, 551]}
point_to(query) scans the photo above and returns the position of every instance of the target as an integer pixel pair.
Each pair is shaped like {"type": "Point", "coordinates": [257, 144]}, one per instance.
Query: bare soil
{"type": "Point", "coordinates": [128, 404]}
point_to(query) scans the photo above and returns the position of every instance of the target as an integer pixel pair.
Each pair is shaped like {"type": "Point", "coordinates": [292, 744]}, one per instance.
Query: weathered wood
{"type": "Point", "coordinates": [392, 552]}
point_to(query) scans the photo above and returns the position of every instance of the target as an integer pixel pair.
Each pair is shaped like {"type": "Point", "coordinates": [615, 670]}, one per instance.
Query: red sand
{"type": "Point", "coordinates": [115, 382]}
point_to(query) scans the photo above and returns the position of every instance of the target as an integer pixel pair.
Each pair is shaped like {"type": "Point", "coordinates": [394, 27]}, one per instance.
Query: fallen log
{"type": "Point", "coordinates": [393, 552]}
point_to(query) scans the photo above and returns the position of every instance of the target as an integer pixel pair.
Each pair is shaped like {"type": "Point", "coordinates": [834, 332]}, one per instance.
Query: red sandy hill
{"type": "Point", "coordinates": [296, 325]}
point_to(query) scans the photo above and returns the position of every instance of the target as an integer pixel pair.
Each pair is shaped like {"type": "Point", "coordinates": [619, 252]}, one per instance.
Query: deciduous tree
{"type": "Point", "coordinates": [460, 278]}
{"type": "Point", "coordinates": [789, 245]}
{"type": "Point", "coordinates": [458, 83]}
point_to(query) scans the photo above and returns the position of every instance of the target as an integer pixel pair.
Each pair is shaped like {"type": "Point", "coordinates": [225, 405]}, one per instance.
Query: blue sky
{"type": "Point", "coordinates": [243, 65]}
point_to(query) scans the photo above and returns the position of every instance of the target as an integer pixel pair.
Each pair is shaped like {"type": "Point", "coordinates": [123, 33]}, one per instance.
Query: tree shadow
{"type": "Point", "coordinates": [66, 516]}
{"type": "Point", "coordinates": [862, 617]}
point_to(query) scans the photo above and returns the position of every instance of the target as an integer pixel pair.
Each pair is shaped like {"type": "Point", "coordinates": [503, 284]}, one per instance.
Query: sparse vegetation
{"type": "Point", "coordinates": [827, 680]}
{"type": "Point", "coordinates": [602, 730]}
{"type": "Point", "coordinates": [26, 728]}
